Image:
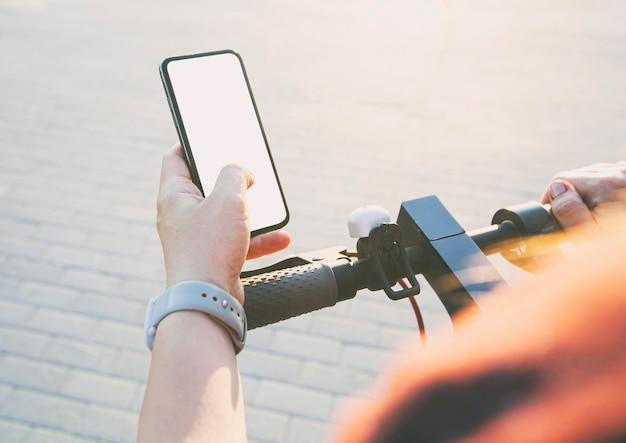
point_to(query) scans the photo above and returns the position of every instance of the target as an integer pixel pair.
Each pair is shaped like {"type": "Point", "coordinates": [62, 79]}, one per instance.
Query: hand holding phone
{"type": "Point", "coordinates": [218, 123]}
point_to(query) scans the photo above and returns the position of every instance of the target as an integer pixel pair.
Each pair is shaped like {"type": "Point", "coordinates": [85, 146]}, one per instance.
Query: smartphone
{"type": "Point", "coordinates": [218, 123]}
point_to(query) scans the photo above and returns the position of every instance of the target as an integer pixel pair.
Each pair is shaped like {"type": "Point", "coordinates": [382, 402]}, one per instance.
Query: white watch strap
{"type": "Point", "coordinates": [198, 296]}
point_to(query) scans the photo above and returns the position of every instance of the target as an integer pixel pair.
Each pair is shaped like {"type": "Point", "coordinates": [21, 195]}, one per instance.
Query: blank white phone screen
{"type": "Point", "coordinates": [222, 127]}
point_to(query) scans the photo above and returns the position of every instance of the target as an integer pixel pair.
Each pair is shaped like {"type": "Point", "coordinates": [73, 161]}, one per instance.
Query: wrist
{"type": "Point", "coordinates": [236, 290]}
{"type": "Point", "coordinates": [189, 331]}
{"type": "Point", "coordinates": [173, 279]}
{"type": "Point", "coordinates": [182, 274]}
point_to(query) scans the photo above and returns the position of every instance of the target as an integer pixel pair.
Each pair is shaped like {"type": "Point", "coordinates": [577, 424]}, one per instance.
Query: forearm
{"type": "Point", "coordinates": [194, 390]}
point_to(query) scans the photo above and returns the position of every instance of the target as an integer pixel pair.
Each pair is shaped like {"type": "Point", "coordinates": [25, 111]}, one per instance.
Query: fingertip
{"type": "Point", "coordinates": [558, 188]}
{"type": "Point", "coordinates": [250, 176]}
{"type": "Point", "coordinates": [237, 173]}
{"type": "Point", "coordinates": [282, 239]}
{"type": "Point", "coordinates": [268, 243]}
{"type": "Point", "coordinates": [567, 205]}
{"type": "Point", "coordinates": [286, 235]}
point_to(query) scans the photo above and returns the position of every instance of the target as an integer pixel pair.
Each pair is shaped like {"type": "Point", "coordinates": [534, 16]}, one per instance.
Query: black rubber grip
{"type": "Point", "coordinates": [286, 293]}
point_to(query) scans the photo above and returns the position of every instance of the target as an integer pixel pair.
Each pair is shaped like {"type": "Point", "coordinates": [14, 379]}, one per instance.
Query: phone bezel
{"type": "Point", "coordinates": [182, 135]}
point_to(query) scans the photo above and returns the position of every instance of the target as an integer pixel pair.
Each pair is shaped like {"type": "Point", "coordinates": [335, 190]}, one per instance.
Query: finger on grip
{"type": "Point", "coordinates": [286, 293]}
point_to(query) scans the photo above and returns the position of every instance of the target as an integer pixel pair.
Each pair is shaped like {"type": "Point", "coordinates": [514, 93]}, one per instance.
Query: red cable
{"type": "Point", "coordinates": [418, 313]}
{"type": "Point", "coordinates": [416, 308]}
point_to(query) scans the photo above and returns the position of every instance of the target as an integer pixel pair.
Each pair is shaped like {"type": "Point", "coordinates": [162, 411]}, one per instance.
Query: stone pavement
{"type": "Point", "coordinates": [363, 102]}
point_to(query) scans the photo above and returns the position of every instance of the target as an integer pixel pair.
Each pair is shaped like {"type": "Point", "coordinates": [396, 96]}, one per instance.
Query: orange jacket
{"type": "Point", "coordinates": [545, 364]}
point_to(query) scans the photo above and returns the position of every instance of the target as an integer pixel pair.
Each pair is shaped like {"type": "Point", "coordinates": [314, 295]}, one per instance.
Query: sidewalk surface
{"type": "Point", "coordinates": [364, 102]}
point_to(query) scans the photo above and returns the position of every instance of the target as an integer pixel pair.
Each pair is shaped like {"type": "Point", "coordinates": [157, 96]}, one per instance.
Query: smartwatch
{"type": "Point", "coordinates": [198, 296]}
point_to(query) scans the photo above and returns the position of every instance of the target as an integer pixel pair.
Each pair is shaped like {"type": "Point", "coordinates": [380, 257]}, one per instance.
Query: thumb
{"type": "Point", "coordinates": [233, 179]}
{"type": "Point", "coordinates": [568, 206]}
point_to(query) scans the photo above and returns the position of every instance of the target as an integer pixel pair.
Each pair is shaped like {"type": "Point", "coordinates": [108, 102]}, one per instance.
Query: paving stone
{"type": "Point", "coordinates": [270, 366]}
{"type": "Point", "coordinates": [46, 294]}
{"type": "Point", "coordinates": [21, 247]}
{"type": "Point", "coordinates": [391, 338]}
{"type": "Point", "coordinates": [99, 389]}
{"type": "Point", "coordinates": [91, 280]}
{"type": "Point", "coordinates": [15, 313]}
{"type": "Point", "coordinates": [104, 241]}
{"type": "Point", "coordinates": [76, 256]}
{"type": "Point", "coordinates": [333, 378]}
{"type": "Point", "coordinates": [109, 307]}
{"type": "Point", "coordinates": [261, 337]}
{"type": "Point", "coordinates": [8, 286]}
{"type": "Point", "coordinates": [130, 364]}
{"type": "Point", "coordinates": [119, 335]}
{"type": "Point", "coordinates": [13, 432]}
{"type": "Point", "coordinates": [293, 400]}
{"type": "Point", "coordinates": [38, 435]}
{"type": "Point", "coordinates": [108, 424]}
{"type": "Point", "coordinates": [58, 234]}
{"type": "Point", "coordinates": [101, 223]}
{"type": "Point", "coordinates": [303, 430]}
{"type": "Point", "coordinates": [42, 409]}
{"type": "Point", "coordinates": [133, 267]}
{"type": "Point", "coordinates": [382, 312]}
{"type": "Point", "coordinates": [25, 268]}
{"type": "Point", "coordinates": [75, 352]}
{"type": "Point", "coordinates": [344, 329]}
{"type": "Point", "coordinates": [249, 385]}
{"type": "Point", "coordinates": [364, 358]}
{"type": "Point", "coordinates": [266, 426]}
{"type": "Point", "coordinates": [32, 374]}
{"type": "Point", "coordinates": [138, 397]}
{"type": "Point", "coordinates": [19, 341]}
{"type": "Point", "coordinates": [306, 346]}
{"type": "Point", "coordinates": [62, 323]}
{"type": "Point", "coordinates": [141, 290]}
